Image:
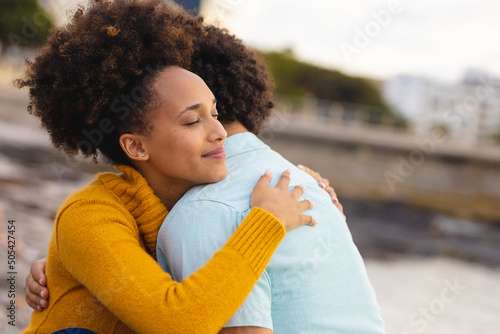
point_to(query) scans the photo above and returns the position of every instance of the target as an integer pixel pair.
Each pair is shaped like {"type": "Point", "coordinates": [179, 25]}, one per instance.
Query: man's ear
{"type": "Point", "coordinates": [134, 147]}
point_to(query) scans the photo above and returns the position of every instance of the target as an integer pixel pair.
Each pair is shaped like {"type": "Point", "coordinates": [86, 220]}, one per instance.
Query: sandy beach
{"type": "Point", "coordinates": [436, 296]}
{"type": "Point", "coordinates": [433, 294]}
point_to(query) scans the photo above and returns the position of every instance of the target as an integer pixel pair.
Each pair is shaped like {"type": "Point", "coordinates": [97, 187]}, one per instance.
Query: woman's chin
{"type": "Point", "coordinates": [220, 175]}
{"type": "Point", "coordinates": [216, 175]}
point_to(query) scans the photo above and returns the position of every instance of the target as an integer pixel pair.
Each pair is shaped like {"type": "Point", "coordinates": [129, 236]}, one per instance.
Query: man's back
{"type": "Point", "coordinates": [315, 282]}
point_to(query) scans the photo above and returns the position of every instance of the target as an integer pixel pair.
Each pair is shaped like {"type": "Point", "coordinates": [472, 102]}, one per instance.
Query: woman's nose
{"type": "Point", "coordinates": [217, 131]}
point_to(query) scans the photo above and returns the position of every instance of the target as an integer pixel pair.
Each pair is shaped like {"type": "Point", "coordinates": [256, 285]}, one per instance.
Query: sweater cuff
{"type": "Point", "coordinates": [257, 238]}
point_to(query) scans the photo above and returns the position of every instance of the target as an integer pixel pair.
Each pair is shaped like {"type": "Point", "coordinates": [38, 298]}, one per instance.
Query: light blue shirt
{"type": "Point", "coordinates": [316, 280]}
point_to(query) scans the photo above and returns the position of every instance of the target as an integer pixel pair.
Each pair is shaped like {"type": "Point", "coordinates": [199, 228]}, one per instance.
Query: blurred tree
{"type": "Point", "coordinates": [23, 23]}
{"type": "Point", "coordinates": [298, 79]}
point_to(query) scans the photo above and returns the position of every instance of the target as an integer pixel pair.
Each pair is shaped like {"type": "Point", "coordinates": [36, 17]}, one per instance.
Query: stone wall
{"type": "Point", "coordinates": [373, 164]}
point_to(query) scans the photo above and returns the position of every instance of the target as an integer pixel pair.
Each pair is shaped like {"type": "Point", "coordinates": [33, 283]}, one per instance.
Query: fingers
{"type": "Point", "coordinates": [38, 271]}
{"type": "Point", "coordinates": [309, 171]}
{"type": "Point", "coordinates": [335, 200]}
{"type": "Point", "coordinates": [308, 220]}
{"type": "Point", "coordinates": [29, 295]}
{"type": "Point", "coordinates": [264, 180]}
{"type": "Point", "coordinates": [306, 205]}
{"type": "Point", "coordinates": [332, 194]}
{"type": "Point", "coordinates": [284, 181]}
{"type": "Point", "coordinates": [36, 295]}
{"type": "Point", "coordinates": [324, 183]}
{"type": "Point", "coordinates": [297, 191]}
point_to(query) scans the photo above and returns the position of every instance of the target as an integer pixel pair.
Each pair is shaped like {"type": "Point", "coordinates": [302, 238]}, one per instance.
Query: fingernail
{"type": "Point", "coordinates": [300, 167]}
{"type": "Point", "coordinates": [43, 294]}
{"type": "Point", "coordinates": [345, 218]}
{"type": "Point", "coordinates": [39, 308]}
{"type": "Point", "coordinates": [303, 186]}
{"type": "Point", "coordinates": [289, 171]}
{"type": "Point", "coordinates": [315, 222]}
{"type": "Point", "coordinates": [322, 185]}
{"type": "Point", "coordinates": [40, 281]}
{"type": "Point", "coordinates": [44, 303]}
{"type": "Point", "coordinates": [335, 200]}
{"type": "Point", "coordinates": [312, 204]}
{"type": "Point", "coordinates": [268, 172]}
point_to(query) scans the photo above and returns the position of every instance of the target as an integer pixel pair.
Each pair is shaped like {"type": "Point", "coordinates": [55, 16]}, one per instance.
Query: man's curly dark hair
{"type": "Point", "coordinates": [237, 77]}
{"type": "Point", "coordinates": [91, 81]}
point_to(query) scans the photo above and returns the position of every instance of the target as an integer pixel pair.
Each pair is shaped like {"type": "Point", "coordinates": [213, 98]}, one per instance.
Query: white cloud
{"type": "Point", "coordinates": [438, 38]}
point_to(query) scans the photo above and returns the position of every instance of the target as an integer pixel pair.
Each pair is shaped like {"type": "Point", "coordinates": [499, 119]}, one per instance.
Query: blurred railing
{"type": "Point", "coordinates": [308, 110]}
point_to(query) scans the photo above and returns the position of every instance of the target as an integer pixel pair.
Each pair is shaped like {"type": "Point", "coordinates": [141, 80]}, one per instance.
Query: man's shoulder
{"type": "Point", "coordinates": [212, 199]}
{"type": "Point", "coordinates": [233, 191]}
{"type": "Point", "coordinates": [221, 192]}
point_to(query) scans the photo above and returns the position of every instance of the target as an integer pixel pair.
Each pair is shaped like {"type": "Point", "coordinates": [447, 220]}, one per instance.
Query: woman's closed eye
{"type": "Point", "coordinates": [193, 123]}
{"type": "Point", "coordinates": [197, 121]}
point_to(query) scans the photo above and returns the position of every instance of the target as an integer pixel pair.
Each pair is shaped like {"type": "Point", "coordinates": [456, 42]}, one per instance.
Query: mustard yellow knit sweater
{"type": "Point", "coordinates": [101, 278]}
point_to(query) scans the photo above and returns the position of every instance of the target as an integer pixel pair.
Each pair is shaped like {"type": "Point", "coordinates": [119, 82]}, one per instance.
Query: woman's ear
{"type": "Point", "coordinates": [134, 147]}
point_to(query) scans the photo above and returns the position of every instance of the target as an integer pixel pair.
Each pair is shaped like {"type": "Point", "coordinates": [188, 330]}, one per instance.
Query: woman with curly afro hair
{"type": "Point", "coordinates": [113, 82]}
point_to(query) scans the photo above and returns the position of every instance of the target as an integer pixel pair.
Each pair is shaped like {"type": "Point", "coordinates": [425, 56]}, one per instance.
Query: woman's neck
{"type": "Point", "coordinates": [168, 191]}
{"type": "Point", "coordinates": [168, 194]}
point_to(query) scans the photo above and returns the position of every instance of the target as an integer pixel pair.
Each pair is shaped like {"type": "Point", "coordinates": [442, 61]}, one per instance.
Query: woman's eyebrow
{"type": "Point", "coordinates": [195, 106]}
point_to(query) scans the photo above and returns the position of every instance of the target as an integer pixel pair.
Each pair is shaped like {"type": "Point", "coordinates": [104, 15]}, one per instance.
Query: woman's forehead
{"type": "Point", "coordinates": [181, 88]}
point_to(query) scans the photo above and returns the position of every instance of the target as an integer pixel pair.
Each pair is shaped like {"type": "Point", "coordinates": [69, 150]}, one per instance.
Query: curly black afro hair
{"type": "Point", "coordinates": [89, 84]}
{"type": "Point", "coordinates": [237, 77]}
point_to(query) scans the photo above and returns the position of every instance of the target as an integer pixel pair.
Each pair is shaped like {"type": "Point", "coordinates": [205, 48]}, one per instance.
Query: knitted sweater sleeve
{"type": "Point", "coordinates": [99, 245]}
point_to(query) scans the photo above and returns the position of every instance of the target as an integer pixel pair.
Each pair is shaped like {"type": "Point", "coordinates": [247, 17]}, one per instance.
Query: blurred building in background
{"type": "Point", "coordinates": [468, 112]}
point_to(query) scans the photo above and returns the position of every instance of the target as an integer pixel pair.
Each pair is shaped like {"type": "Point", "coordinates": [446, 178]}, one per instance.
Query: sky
{"type": "Point", "coordinates": [437, 39]}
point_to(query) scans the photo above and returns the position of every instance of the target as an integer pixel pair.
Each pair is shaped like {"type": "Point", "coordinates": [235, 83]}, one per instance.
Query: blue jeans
{"type": "Point", "coordinates": [74, 331]}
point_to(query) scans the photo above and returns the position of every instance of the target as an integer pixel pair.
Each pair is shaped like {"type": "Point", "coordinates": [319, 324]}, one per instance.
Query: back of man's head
{"type": "Point", "coordinates": [237, 77]}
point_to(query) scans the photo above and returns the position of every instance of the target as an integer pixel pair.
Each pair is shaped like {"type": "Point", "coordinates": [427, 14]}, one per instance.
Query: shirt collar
{"type": "Point", "coordinates": [242, 143]}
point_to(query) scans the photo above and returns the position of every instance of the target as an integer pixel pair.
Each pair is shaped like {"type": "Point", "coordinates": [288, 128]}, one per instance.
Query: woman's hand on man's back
{"type": "Point", "coordinates": [280, 202]}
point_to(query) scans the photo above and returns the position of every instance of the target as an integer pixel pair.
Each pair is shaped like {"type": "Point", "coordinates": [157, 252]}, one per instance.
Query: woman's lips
{"type": "Point", "coordinates": [216, 154]}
